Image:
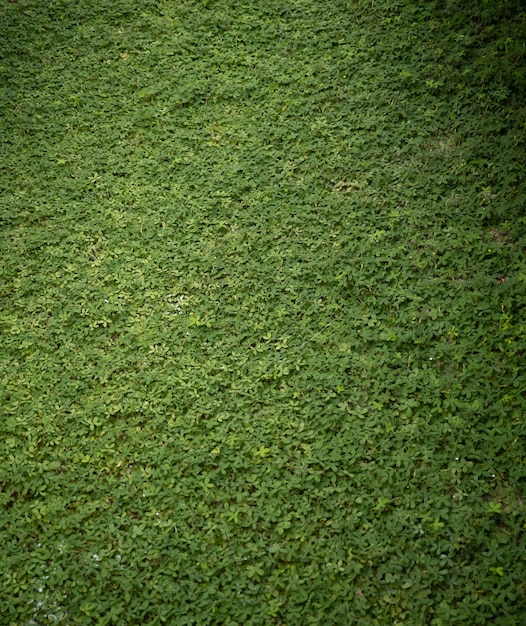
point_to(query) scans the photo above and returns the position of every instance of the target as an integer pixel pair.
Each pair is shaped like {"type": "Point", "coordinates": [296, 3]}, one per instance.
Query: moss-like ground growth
{"type": "Point", "coordinates": [263, 320]}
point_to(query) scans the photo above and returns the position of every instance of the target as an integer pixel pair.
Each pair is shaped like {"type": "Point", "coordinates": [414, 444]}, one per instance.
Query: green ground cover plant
{"type": "Point", "coordinates": [263, 313]}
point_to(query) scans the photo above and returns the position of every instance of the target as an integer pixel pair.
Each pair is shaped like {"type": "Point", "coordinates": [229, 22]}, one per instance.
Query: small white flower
{"type": "Point", "coordinates": [95, 557]}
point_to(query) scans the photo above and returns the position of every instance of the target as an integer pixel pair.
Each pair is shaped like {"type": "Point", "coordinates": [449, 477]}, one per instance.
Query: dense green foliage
{"type": "Point", "coordinates": [263, 312]}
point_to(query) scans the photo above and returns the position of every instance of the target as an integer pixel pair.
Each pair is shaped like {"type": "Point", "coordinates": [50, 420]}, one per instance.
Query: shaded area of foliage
{"type": "Point", "coordinates": [492, 50]}
{"type": "Point", "coordinates": [262, 312]}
